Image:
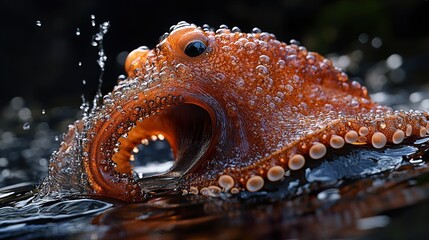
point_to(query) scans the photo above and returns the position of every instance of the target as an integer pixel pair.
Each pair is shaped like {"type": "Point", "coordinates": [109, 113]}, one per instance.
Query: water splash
{"type": "Point", "coordinates": [96, 41]}
{"type": "Point", "coordinates": [37, 218]}
{"type": "Point", "coordinates": [102, 58]}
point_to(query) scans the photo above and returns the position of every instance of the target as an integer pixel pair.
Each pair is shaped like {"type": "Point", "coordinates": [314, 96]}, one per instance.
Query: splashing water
{"type": "Point", "coordinates": [97, 40]}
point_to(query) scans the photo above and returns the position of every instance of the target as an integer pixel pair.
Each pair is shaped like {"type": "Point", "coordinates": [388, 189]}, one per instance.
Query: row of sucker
{"type": "Point", "coordinates": [394, 129]}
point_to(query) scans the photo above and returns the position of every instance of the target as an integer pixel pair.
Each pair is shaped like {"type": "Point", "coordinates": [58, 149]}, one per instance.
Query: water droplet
{"type": "Point", "coordinates": [77, 32]}
{"type": "Point", "coordinates": [250, 47]}
{"type": "Point", "coordinates": [93, 20]}
{"type": "Point", "coordinates": [394, 61]}
{"type": "Point", "coordinates": [121, 77]}
{"type": "Point", "coordinates": [220, 76]}
{"type": "Point", "coordinates": [256, 30]}
{"type": "Point", "coordinates": [262, 70]}
{"type": "Point", "coordinates": [354, 103]}
{"type": "Point", "coordinates": [83, 81]}
{"type": "Point", "coordinates": [235, 29]}
{"type": "Point", "coordinates": [79, 63]}
{"type": "Point", "coordinates": [264, 59]}
{"type": "Point", "coordinates": [376, 42]}
{"type": "Point", "coordinates": [26, 126]}
{"type": "Point", "coordinates": [226, 48]}
{"type": "Point", "coordinates": [240, 83]}
{"type": "Point", "coordinates": [363, 38]}
{"type": "Point", "coordinates": [3, 162]}
{"type": "Point", "coordinates": [332, 194]}
{"type": "Point", "coordinates": [368, 223]}
{"type": "Point", "coordinates": [281, 64]}
{"type": "Point", "coordinates": [24, 114]}
{"type": "Point", "coordinates": [43, 111]}
{"type": "Point", "coordinates": [294, 42]}
{"type": "Point", "coordinates": [38, 23]}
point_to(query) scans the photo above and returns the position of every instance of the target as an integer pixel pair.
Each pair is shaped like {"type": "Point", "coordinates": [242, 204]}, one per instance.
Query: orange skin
{"type": "Point", "coordinates": [252, 102]}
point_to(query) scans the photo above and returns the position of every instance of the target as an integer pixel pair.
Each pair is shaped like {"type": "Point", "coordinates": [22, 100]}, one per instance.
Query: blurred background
{"type": "Point", "coordinates": [48, 61]}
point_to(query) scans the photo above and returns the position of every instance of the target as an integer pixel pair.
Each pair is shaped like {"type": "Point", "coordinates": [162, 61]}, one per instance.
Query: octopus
{"type": "Point", "coordinates": [238, 109]}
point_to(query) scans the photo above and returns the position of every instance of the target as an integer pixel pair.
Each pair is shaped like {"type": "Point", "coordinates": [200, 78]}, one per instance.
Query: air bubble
{"type": "Point", "coordinates": [77, 32]}
{"type": "Point", "coordinates": [38, 23]}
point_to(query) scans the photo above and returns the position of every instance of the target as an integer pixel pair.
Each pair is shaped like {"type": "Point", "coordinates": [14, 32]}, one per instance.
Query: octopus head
{"type": "Point", "coordinates": [191, 90]}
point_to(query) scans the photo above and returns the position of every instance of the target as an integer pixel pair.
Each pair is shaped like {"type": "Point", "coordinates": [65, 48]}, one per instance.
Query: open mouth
{"type": "Point", "coordinates": [182, 133]}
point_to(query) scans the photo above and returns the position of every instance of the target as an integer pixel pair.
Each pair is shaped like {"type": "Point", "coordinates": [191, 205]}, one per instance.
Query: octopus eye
{"type": "Point", "coordinates": [188, 42]}
{"type": "Point", "coordinates": [195, 48]}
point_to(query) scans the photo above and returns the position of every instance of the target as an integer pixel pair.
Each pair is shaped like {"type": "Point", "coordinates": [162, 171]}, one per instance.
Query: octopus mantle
{"type": "Point", "coordinates": [238, 110]}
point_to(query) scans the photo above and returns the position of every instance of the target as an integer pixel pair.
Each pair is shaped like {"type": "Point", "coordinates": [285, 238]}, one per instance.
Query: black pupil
{"type": "Point", "coordinates": [195, 49]}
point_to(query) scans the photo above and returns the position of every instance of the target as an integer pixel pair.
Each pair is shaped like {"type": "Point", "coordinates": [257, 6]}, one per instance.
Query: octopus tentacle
{"type": "Point", "coordinates": [390, 128]}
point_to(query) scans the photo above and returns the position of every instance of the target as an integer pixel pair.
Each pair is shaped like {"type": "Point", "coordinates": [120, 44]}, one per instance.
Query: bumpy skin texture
{"type": "Point", "coordinates": [272, 106]}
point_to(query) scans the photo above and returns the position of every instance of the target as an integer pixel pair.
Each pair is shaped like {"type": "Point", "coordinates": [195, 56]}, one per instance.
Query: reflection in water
{"type": "Point", "coordinates": [346, 195]}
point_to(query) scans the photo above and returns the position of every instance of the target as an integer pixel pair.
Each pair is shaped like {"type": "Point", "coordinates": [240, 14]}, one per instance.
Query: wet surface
{"type": "Point", "coordinates": [354, 193]}
{"type": "Point", "coordinates": [360, 194]}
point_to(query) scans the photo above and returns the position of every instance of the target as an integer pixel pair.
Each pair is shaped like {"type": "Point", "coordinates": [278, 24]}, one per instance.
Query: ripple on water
{"type": "Point", "coordinates": [24, 218]}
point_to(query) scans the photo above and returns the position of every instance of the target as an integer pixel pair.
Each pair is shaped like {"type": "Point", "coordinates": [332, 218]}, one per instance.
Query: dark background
{"type": "Point", "coordinates": [40, 63]}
